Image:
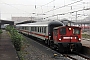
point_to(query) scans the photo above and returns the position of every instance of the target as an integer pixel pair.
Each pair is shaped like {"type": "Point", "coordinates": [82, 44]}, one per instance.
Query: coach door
{"type": "Point", "coordinates": [55, 35]}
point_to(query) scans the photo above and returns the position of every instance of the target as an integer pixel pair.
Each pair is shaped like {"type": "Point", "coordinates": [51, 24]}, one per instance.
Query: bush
{"type": "Point", "coordinates": [0, 31]}
{"type": "Point", "coordinates": [86, 36]}
{"type": "Point", "coordinates": [17, 38]}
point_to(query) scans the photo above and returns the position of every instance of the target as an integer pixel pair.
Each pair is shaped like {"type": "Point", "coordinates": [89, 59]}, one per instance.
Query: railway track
{"type": "Point", "coordinates": [76, 56]}
{"type": "Point", "coordinates": [73, 56]}
{"type": "Point", "coordinates": [86, 39]}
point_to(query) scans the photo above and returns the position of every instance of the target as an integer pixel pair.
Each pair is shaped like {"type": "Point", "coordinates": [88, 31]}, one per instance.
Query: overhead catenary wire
{"type": "Point", "coordinates": [26, 5]}
{"type": "Point", "coordinates": [19, 4]}
{"type": "Point", "coordinates": [46, 3]}
{"type": "Point", "coordinates": [63, 6]}
{"type": "Point", "coordinates": [68, 12]}
{"type": "Point", "coordinates": [15, 7]}
{"type": "Point", "coordinates": [41, 6]}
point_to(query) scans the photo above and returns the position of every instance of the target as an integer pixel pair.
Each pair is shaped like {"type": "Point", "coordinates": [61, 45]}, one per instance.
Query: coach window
{"type": "Point", "coordinates": [22, 27]}
{"type": "Point", "coordinates": [40, 29]}
{"type": "Point", "coordinates": [34, 28]}
{"type": "Point", "coordinates": [26, 28]}
{"type": "Point", "coordinates": [31, 28]}
{"type": "Point", "coordinates": [44, 29]}
{"type": "Point", "coordinates": [19, 27]}
{"type": "Point", "coordinates": [63, 31]}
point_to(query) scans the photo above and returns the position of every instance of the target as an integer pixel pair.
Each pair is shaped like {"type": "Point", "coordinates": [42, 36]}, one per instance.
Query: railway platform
{"type": "Point", "coordinates": [86, 46]}
{"type": "Point", "coordinates": [86, 42]}
{"type": "Point", "coordinates": [7, 50]}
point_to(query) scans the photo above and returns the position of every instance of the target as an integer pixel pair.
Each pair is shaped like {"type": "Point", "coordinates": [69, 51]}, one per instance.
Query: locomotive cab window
{"type": "Point", "coordinates": [76, 31]}
{"type": "Point", "coordinates": [63, 31]}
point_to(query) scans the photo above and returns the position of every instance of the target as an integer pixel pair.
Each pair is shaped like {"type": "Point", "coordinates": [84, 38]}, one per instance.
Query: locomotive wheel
{"type": "Point", "coordinates": [48, 42]}
{"type": "Point", "coordinates": [45, 41]}
{"type": "Point", "coordinates": [60, 48]}
{"type": "Point", "coordinates": [79, 47]}
{"type": "Point", "coordinates": [52, 44]}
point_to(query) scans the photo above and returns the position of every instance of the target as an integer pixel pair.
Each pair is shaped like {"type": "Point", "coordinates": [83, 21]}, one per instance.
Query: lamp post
{"type": "Point", "coordinates": [0, 15]}
{"type": "Point", "coordinates": [71, 12]}
{"type": "Point", "coordinates": [42, 16]}
{"type": "Point", "coordinates": [76, 16]}
{"type": "Point", "coordinates": [59, 15]}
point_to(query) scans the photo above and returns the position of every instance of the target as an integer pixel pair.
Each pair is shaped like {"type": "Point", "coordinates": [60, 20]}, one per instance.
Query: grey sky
{"type": "Point", "coordinates": [25, 8]}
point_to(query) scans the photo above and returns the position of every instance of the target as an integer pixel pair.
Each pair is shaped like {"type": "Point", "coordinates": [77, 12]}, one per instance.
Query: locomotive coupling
{"type": "Point", "coordinates": [71, 47]}
{"type": "Point", "coordinates": [55, 55]}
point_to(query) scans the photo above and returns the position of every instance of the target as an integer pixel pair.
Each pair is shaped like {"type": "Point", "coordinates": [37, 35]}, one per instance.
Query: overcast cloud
{"type": "Point", "coordinates": [25, 8]}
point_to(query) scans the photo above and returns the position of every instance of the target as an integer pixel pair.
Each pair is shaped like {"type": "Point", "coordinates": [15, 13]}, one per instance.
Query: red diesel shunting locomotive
{"type": "Point", "coordinates": [68, 38]}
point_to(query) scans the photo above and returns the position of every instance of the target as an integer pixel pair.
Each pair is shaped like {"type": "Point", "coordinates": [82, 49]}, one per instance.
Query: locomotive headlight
{"type": "Point", "coordinates": [79, 39]}
{"type": "Point", "coordinates": [69, 28]}
{"type": "Point", "coordinates": [59, 39]}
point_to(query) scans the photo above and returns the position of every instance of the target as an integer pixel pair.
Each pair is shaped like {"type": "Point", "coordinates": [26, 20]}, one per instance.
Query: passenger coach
{"type": "Point", "coordinates": [41, 30]}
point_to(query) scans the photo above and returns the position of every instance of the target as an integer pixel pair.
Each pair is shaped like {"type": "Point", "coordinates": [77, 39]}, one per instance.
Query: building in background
{"type": "Point", "coordinates": [22, 19]}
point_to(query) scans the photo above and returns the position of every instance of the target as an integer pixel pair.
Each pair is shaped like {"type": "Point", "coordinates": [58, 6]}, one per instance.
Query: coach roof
{"type": "Point", "coordinates": [45, 23]}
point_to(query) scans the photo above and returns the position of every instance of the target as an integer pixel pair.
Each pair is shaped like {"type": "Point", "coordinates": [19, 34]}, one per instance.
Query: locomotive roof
{"type": "Point", "coordinates": [66, 26]}
{"type": "Point", "coordinates": [22, 25]}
